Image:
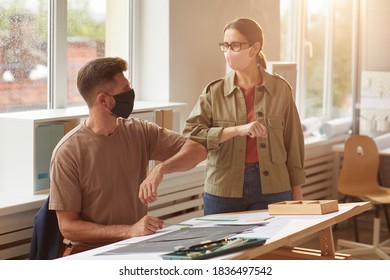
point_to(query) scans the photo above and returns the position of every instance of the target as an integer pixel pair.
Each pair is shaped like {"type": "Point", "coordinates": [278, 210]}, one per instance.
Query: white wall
{"type": "Point", "coordinates": [376, 35]}
{"type": "Point", "coordinates": [179, 39]}
{"type": "Point", "coordinates": [151, 50]}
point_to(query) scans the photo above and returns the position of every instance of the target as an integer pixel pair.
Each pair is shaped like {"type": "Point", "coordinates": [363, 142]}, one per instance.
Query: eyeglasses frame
{"type": "Point", "coordinates": [229, 45]}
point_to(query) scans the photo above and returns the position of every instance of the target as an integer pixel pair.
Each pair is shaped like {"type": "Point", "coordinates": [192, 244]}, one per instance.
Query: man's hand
{"type": "Point", "coordinates": [190, 154]}
{"type": "Point", "coordinates": [147, 225]}
{"type": "Point", "coordinates": [148, 188]}
{"type": "Point", "coordinates": [77, 230]}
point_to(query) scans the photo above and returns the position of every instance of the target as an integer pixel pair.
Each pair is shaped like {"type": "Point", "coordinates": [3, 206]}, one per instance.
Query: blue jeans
{"type": "Point", "coordinates": [252, 198]}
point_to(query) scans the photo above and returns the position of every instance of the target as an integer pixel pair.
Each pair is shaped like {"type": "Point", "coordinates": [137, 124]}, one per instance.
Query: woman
{"type": "Point", "coordinates": [250, 126]}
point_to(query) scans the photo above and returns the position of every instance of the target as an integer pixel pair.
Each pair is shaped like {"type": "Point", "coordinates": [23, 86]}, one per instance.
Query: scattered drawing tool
{"type": "Point", "coordinates": [213, 248]}
{"type": "Point", "coordinates": [232, 243]}
{"type": "Point", "coordinates": [182, 226]}
{"type": "Point", "coordinates": [216, 219]}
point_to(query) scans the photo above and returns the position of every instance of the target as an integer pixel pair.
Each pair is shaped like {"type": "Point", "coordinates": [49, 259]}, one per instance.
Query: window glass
{"type": "Point", "coordinates": [342, 59]}
{"type": "Point", "coordinates": [23, 55]}
{"type": "Point", "coordinates": [324, 56]}
{"type": "Point", "coordinates": [85, 41]}
{"type": "Point", "coordinates": [314, 51]}
{"type": "Point", "coordinates": [287, 30]}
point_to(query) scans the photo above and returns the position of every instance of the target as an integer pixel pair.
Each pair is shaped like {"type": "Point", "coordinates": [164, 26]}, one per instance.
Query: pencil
{"type": "Point", "coordinates": [182, 226]}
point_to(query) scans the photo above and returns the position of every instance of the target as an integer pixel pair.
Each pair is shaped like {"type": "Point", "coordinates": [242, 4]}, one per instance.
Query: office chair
{"type": "Point", "coordinates": [46, 241]}
{"type": "Point", "coordinates": [358, 178]}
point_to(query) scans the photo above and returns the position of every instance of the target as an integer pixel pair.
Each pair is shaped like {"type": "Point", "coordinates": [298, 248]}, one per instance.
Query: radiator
{"type": "Point", "coordinates": [15, 235]}
{"type": "Point", "coordinates": [319, 167]}
{"type": "Point", "coordinates": [319, 180]}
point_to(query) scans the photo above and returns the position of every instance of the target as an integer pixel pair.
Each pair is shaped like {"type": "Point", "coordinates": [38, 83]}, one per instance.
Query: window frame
{"type": "Point", "coordinates": [120, 14]}
{"type": "Point", "coordinates": [299, 10]}
{"type": "Point", "coordinates": [57, 82]}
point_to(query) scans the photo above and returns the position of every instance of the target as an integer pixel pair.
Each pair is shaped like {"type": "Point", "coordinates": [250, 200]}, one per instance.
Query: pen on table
{"type": "Point", "coordinates": [182, 226]}
{"type": "Point", "coordinates": [267, 218]}
{"type": "Point", "coordinates": [217, 219]}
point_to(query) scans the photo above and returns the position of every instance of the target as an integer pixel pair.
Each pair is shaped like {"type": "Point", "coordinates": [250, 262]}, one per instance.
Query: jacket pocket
{"type": "Point", "coordinates": [222, 156]}
{"type": "Point", "coordinates": [275, 132]}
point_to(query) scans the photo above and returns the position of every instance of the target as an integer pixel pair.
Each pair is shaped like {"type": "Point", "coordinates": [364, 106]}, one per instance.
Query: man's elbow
{"type": "Point", "coordinates": [66, 226]}
{"type": "Point", "coordinates": [202, 152]}
{"type": "Point", "coordinates": [199, 151]}
{"type": "Point", "coordinates": [66, 232]}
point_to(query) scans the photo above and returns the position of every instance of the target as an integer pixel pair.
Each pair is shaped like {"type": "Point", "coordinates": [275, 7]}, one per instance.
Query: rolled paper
{"type": "Point", "coordinates": [310, 125]}
{"type": "Point", "coordinates": [336, 127]}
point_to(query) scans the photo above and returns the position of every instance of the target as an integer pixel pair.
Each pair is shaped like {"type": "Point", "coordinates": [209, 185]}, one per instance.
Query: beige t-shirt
{"type": "Point", "coordinates": [99, 176]}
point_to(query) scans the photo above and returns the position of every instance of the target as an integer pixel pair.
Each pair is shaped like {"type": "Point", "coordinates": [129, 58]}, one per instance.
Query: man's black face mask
{"type": "Point", "coordinates": [124, 103]}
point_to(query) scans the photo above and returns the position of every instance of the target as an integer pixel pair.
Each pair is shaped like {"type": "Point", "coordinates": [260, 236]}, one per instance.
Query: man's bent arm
{"type": "Point", "coordinates": [77, 230]}
{"type": "Point", "coordinates": [189, 156]}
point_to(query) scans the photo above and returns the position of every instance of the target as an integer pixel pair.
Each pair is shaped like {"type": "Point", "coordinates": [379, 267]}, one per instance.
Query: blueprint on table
{"type": "Point", "coordinates": [183, 237]}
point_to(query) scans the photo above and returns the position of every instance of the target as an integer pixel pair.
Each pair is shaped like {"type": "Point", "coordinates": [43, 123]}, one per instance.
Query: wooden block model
{"type": "Point", "coordinates": [308, 207]}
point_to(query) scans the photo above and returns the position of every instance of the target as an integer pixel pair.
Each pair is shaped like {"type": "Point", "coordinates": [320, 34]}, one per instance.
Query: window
{"type": "Point", "coordinates": [42, 48]}
{"type": "Point", "coordinates": [23, 55]}
{"type": "Point", "coordinates": [85, 40]}
{"type": "Point", "coordinates": [324, 52]}
{"type": "Point", "coordinates": [342, 59]}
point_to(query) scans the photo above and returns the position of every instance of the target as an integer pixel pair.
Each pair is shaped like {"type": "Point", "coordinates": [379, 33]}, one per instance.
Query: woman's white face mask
{"type": "Point", "coordinates": [238, 61]}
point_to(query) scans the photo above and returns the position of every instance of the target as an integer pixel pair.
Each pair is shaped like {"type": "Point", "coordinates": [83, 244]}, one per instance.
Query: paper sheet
{"type": "Point", "coordinates": [185, 237]}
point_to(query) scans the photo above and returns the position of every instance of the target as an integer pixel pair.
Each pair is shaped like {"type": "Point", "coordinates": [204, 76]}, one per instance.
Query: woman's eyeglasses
{"type": "Point", "coordinates": [234, 46]}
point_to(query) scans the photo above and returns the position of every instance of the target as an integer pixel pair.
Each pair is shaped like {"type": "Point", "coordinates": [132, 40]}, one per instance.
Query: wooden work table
{"type": "Point", "coordinates": [281, 231]}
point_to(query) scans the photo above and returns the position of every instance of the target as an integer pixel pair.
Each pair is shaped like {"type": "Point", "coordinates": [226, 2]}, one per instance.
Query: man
{"type": "Point", "coordinates": [99, 184]}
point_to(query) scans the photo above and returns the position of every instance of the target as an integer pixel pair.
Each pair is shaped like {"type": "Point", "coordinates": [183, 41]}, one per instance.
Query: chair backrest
{"type": "Point", "coordinates": [46, 241]}
{"type": "Point", "coordinates": [359, 171]}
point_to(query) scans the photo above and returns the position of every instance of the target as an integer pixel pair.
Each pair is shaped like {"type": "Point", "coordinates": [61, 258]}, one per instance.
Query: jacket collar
{"type": "Point", "coordinates": [229, 85]}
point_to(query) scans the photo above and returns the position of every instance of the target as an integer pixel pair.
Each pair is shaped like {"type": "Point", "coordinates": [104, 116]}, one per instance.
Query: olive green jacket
{"type": "Point", "coordinates": [280, 155]}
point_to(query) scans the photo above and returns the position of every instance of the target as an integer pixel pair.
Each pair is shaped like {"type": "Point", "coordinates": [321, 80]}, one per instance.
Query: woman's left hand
{"type": "Point", "coordinates": [253, 129]}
